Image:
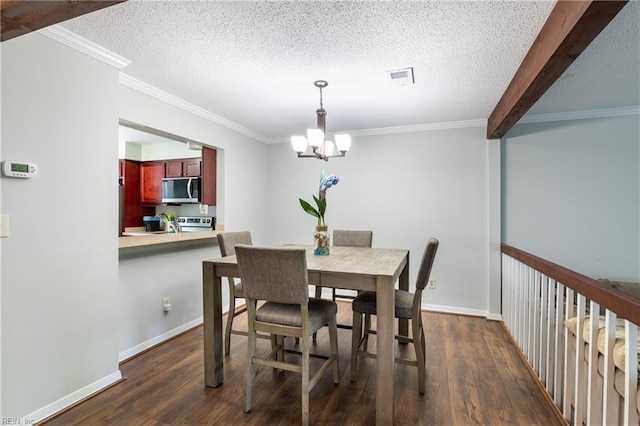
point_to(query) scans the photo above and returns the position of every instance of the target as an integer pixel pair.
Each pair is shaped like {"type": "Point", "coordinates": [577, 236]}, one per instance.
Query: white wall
{"type": "Point", "coordinates": [61, 304]}
{"type": "Point", "coordinates": [146, 276]}
{"type": "Point", "coordinates": [59, 274]}
{"type": "Point", "coordinates": [406, 188]}
{"type": "Point", "coordinates": [571, 194]}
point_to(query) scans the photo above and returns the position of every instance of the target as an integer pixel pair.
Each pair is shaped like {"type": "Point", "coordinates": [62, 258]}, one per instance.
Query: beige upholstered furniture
{"type": "Point", "coordinates": [279, 277]}
{"type": "Point", "coordinates": [407, 306]}
{"type": "Point", "coordinates": [227, 242]}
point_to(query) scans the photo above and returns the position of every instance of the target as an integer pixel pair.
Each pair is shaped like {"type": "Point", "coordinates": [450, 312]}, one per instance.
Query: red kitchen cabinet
{"type": "Point", "coordinates": [151, 174]}
{"type": "Point", "coordinates": [189, 167]}
{"type": "Point", "coordinates": [209, 170]}
{"type": "Point", "coordinates": [132, 208]}
{"type": "Point", "coordinates": [173, 168]}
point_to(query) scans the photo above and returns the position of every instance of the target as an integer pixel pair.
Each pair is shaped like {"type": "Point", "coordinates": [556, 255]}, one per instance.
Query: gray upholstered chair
{"type": "Point", "coordinates": [227, 242]}
{"type": "Point", "coordinates": [348, 239]}
{"type": "Point", "coordinates": [407, 307]}
{"type": "Point", "coordinates": [279, 277]}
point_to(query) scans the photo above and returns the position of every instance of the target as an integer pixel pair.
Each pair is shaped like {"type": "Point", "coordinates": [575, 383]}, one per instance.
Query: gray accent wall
{"type": "Point", "coordinates": [571, 194]}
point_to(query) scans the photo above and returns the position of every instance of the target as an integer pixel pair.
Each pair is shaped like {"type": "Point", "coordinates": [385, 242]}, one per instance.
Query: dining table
{"type": "Point", "coordinates": [351, 268]}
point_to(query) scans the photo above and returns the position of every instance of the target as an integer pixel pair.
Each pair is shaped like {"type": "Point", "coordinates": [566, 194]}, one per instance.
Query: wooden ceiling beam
{"type": "Point", "coordinates": [23, 16]}
{"type": "Point", "coordinates": [570, 28]}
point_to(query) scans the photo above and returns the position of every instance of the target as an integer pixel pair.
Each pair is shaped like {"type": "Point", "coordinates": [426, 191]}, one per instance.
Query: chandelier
{"type": "Point", "coordinates": [321, 148]}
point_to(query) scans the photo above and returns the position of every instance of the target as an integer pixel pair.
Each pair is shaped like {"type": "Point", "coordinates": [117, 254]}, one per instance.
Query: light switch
{"type": "Point", "coordinates": [4, 225]}
{"type": "Point", "coordinates": [204, 209]}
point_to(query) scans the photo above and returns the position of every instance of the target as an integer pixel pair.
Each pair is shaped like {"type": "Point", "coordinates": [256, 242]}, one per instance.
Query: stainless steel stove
{"type": "Point", "coordinates": [196, 223]}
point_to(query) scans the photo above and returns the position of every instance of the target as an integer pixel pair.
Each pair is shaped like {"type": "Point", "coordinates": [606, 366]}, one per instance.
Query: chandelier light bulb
{"type": "Point", "coordinates": [299, 143]}
{"type": "Point", "coordinates": [316, 136]}
{"type": "Point", "coordinates": [343, 142]}
{"type": "Point", "coordinates": [329, 148]}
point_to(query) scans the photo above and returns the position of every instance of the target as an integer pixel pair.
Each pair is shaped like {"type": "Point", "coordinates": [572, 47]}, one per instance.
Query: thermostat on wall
{"type": "Point", "coordinates": [19, 169]}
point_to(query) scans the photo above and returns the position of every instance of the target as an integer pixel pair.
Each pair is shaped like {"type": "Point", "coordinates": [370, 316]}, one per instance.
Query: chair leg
{"type": "Point", "coordinates": [305, 380]}
{"type": "Point", "coordinates": [251, 351]}
{"type": "Point", "coordinates": [356, 335]}
{"type": "Point", "coordinates": [333, 341]}
{"type": "Point", "coordinates": [419, 345]}
{"type": "Point", "coordinates": [230, 315]}
{"type": "Point", "coordinates": [318, 296]}
{"type": "Point", "coordinates": [367, 328]}
{"type": "Point", "coordinates": [423, 344]}
{"type": "Point", "coordinates": [280, 343]}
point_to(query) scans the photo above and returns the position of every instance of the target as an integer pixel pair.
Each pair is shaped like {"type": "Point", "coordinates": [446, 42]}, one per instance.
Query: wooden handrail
{"type": "Point", "coordinates": [623, 304]}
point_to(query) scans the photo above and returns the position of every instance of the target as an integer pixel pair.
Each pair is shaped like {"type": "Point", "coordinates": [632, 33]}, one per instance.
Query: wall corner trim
{"type": "Point", "coordinates": [71, 39]}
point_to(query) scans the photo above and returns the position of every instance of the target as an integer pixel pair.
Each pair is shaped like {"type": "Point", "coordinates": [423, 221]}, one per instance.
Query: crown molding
{"type": "Point", "coordinates": [402, 129]}
{"type": "Point", "coordinates": [71, 39]}
{"type": "Point", "coordinates": [420, 127]}
{"type": "Point", "coordinates": [579, 115]}
{"type": "Point", "coordinates": [189, 107]}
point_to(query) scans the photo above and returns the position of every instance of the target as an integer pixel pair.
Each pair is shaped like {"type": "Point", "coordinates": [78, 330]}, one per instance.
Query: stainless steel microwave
{"type": "Point", "coordinates": [181, 190]}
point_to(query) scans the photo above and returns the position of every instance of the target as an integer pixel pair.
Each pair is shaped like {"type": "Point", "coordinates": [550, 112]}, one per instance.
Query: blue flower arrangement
{"type": "Point", "coordinates": [321, 200]}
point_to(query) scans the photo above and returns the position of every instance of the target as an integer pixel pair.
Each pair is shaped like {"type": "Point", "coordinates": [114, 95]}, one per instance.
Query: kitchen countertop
{"type": "Point", "coordinates": [138, 239]}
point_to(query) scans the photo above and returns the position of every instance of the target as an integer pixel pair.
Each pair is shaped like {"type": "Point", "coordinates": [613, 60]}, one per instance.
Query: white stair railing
{"type": "Point", "coordinates": [538, 298]}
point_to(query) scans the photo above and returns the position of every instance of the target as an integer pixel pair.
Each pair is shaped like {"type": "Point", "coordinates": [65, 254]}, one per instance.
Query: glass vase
{"type": "Point", "coordinates": [321, 240]}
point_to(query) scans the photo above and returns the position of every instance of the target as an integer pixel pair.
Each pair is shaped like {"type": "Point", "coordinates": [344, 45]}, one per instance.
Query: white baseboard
{"type": "Point", "coordinates": [326, 293]}
{"type": "Point", "coordinates": [494, 317]}
{"type": "Point", "coordinates": [455, 310]}
{"type": "Point", "coordinates": [158, 339]}
{"type": "Point", "coordinates": [80, 394]}
{"type": "Point", "coordinates": [70, 399]}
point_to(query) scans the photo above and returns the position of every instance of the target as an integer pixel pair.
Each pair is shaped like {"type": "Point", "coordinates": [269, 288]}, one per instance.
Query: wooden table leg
{"type": "Point", "coordinates": [212, 328]}
{"type": "Point", "coordinates": [403, 284]}
{"type": "Point", "coordinates": [385, 350]}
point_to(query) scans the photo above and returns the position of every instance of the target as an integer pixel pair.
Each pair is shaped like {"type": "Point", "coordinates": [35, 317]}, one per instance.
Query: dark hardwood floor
{"type": "Point", "coordinates": [474, 376]}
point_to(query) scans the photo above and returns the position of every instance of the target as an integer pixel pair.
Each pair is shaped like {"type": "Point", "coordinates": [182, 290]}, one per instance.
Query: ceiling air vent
{"type": "Point", "coordinates": [402, 76]}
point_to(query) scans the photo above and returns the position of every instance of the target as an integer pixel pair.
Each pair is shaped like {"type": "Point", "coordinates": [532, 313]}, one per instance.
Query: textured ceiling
{"type": "Point", "coordinates": [254, 62]}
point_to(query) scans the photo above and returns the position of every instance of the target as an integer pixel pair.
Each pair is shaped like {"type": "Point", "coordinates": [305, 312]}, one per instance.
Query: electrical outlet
{"type": "Point", "coordinates": [431, 283]}
{"type": "Point", "coordinates": [166, 304]}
